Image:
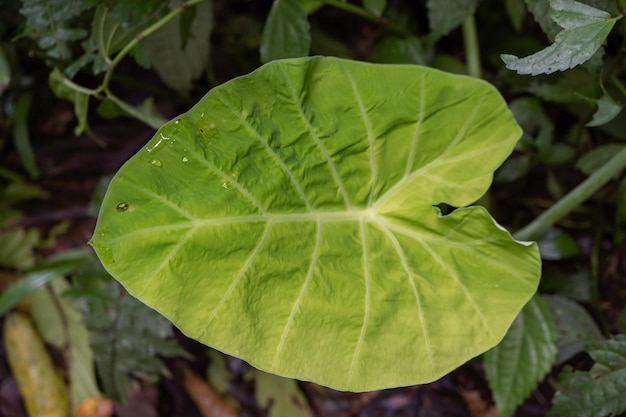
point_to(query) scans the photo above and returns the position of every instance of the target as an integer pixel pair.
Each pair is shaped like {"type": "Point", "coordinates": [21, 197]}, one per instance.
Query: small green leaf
{"type": "Point", "coordinates": [607, 110]}
{"type": "Point", "coordinates": [218, 375]}
{"type": "Point", "coordinates": [311, 5]}
{"type": "Point", "coordinates": [286, 32]}
{"type": "Point", "coordinates": [599, 392]}
{"type": "Point", "coordinates": [575, 328]}
{"type": "Point", "coordinates": [280, 396]}
{"type": "Point", "coordinates": [108, 36]}
{"type": "Point", "coordinates": [593, 160]}
{"type": "Point", "coordinates": [21, 137]}
{"type": "Point", "coordinates": [445, 16]}
{"type": "Point", "coordinates": [39, 276]}
{"type": "Point", "coordinates": [517, 13]}
{"type": "Point", "coordinates": [5, 71]}
{"type": "Point", "coordinates": [556, 244]}
{"type": "Point", "coordinates": [377, 7]}
{"type": "Point", "coordinates": [16, 248]}
{"type": "Point", "coordinates": [395, 50]}
{"type": "Point", "coordinates": [49, 23]}
{"type": "Point", "coordinates": [146, 111]}
{"type": "Point", "coordinates": [523, 357]}
{"type": "Point", "coordinates": [177, 67]}
{"type": "Point", "coordinates": [296, 228]}
{"type": "Point", "coordinates": [586, 28]}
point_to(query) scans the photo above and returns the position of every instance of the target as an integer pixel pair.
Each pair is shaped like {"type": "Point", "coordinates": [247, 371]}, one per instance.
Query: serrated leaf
{"type": "Point", "coordinates": [61, 324]}
{"type": "Point", "coordinates": [523, 357]}
{"type": "Point", "coordinates": [540, 9]}
{"type": "Point", "coordinates": [177, 67]}
{"type": "Point", "coordinates": [128, 339]}
{"type": "Point", "coordinates": [377, 7]}
{"type": "Point", "coordinates": [599, 392]}
{"type": "Point", "coordinates": [607, 110]}
{"type": "Point", "coordinates": [295, 228]}
{"type": "Point", "coordinates": [49, 23]}
{"type": "Point", "coordinates": [575, 328]}
{"type": "Point", "coordinates": [445, 16]}
{"type": "Point", "coordinates": [586, 28]}
{"type": "Point", "coordinates": [286, 32]}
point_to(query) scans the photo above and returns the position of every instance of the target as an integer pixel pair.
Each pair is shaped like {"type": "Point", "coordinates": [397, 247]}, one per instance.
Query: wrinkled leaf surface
{"type": "Point", "coordinates": [288, 219]}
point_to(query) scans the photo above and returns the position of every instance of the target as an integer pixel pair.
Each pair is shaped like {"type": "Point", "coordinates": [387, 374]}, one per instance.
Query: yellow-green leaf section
{"type": "Point", "coordinates": [288, 219]}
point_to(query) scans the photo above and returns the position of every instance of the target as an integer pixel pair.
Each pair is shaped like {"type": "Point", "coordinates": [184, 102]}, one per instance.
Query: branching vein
{"type": "Point", "coordinates": [307, 280]}
{"type": "Point", "coordinates": [318, 142]}
{"type": "Point", "coordinates": [273, 154]}
{"type": "Point", "coordinates": [239, 276]}
{"type": "Point", "coordinates": [366, 273]}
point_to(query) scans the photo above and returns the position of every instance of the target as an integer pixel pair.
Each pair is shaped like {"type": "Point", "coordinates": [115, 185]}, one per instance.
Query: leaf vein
{"type": "Point", "coordinates": [318, 142]}
{"type": "Point", "coordinates": [309, 276]}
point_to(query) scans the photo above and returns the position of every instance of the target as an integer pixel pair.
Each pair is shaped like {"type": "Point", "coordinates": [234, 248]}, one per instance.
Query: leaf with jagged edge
{"type": "Point", "coordinates": [599, 392]}
{"type": "Point", "coordinates": [523, 358]}
{"type": "Point", "coordinates": [289, 219]}
{"type": "Point", "coordinates": [585, 29]}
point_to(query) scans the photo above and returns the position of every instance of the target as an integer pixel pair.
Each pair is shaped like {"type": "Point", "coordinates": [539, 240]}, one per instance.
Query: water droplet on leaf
{"type": "Point", "coordinates": [157, 143]}
{"type": "Point", "coordinates": [122, 207]}
{"type": "Point", "coordinates": [185, 159]}
{"type": "Point", "coordinates": [157, 163]}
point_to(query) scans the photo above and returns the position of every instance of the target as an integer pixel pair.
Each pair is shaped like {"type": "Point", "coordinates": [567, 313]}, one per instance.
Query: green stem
{"type": "Point", "coordinates": [141, 36]}
{"type": "Point", "coordinates": [472, 50]}
{"type": "Point", "coordinates": [356, 10]}
{"type": "Point", "coordinates": [586, 189]}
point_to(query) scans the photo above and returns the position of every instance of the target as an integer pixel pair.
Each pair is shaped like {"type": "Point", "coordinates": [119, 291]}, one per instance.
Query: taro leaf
{"type": "Point", "coordinates": [586, 28]}
{"type": "Point", "coordinates": [288, 219]}
{"type": "Point", "coordinates": [445, 16]}
{"type": "Point", "coordinates": [599, 392]}
{"type": "Point", "coordinates": [286, 33]}
{"type": "Point", "coordinates": [523, 358]}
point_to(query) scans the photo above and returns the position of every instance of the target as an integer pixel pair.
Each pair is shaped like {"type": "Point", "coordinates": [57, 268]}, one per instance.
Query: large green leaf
{"type": "Point", "coordinates": [288, 219]}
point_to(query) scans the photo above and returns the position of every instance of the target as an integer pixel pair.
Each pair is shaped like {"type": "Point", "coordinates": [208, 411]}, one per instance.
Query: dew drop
{"type": "Point", "coordinates": [185, 159]}
{"type": "Point", "coordinates": [225, 184]}
{"type": "Point", "coordinates": [121, 207]}
{"type": "Point", "coordinates": [157, 143]}
{"type": "Point", "coordinates": [157, 163]}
